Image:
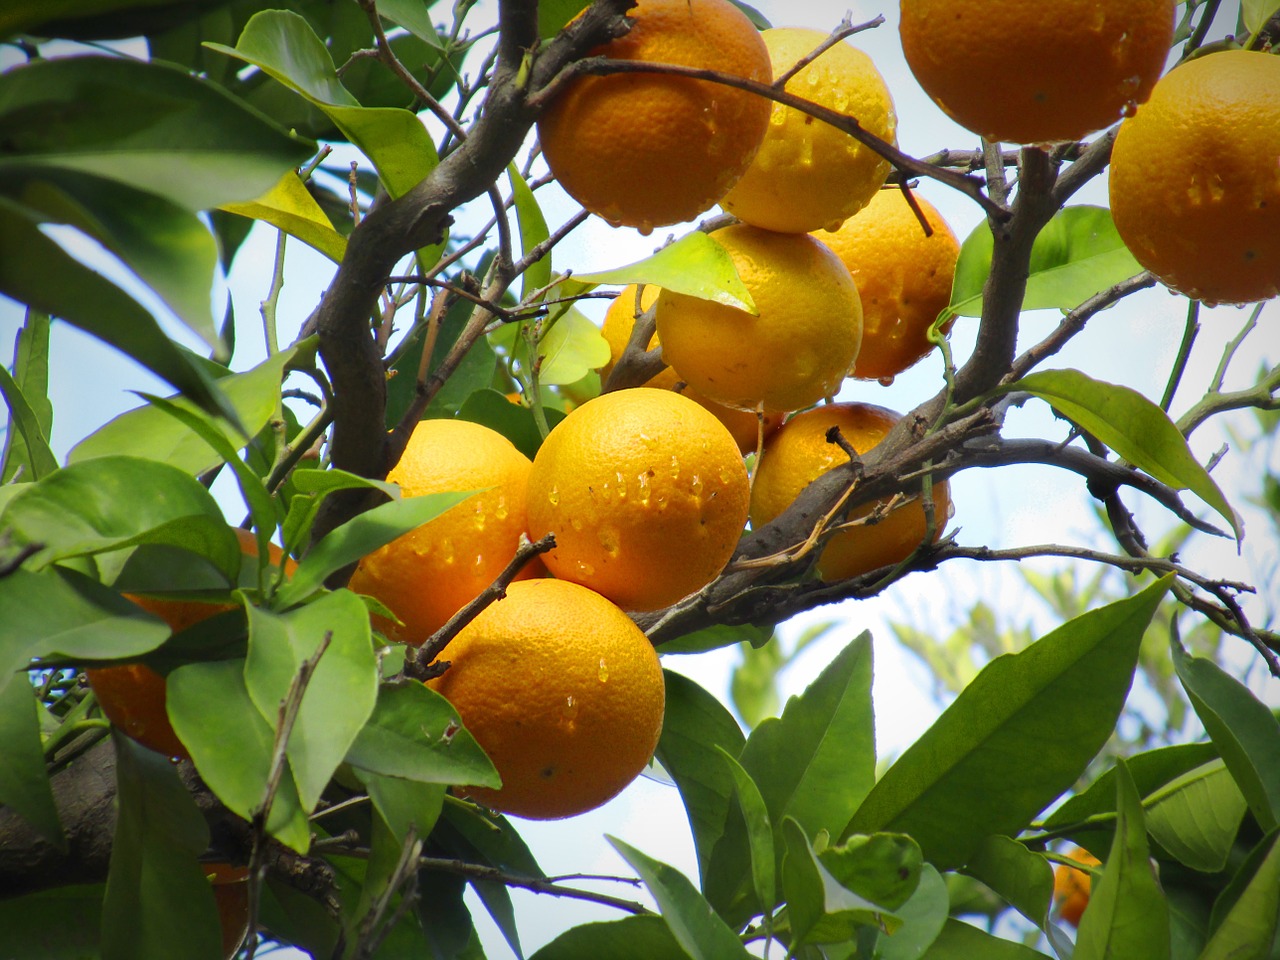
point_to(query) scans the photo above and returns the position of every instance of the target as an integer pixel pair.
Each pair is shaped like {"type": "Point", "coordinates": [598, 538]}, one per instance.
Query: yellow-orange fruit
{"type": "Point", "coordinates": [1072, 886]}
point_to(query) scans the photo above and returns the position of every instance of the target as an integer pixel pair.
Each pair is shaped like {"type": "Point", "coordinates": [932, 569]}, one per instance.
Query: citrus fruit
{"type": "Point", "coordinates": [1195, 186]}
{"type": "Point", "coordinates": [231, 894]}
{"type": "Point", "coordinates": [646, 149]}
{"type": "Point", "coordinates": [807, 174]}
{"type": "Point", "coordinates": [618, 321]}
{"type": "Point", "coordinates": [903, 277]}
{"type": "Point", "coordinates": [799, 453]}
{"type": "Point", "coordinates": [1072, 886]}
{"type": "Point", "coordinates": [646, 494]}
{"type": "Point", "coordinates": [1036, 72]}
{"type": "Point", "coordinates": [132, 695]}
{"type": "Point", "coordinates": [563, 692]}
{"type": "Point", "coordinates": [425, 576]}
{"type": "Point", "coordinates": [797, 349]}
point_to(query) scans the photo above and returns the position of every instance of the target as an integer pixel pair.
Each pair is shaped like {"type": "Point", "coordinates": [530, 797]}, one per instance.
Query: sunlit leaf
{"type": "Point", "coordinates": [695, 265]}
{"type": "Point", "coordinates": [1256, 13]}
{"type": "Point", "coordinates": [571, 349]}
{"type": "Point", "coordinates": [533, 231]}
{"type": "Point", "coordinates": [288, 206]}
{"type": "Point", "coordinates": [1196, 817]}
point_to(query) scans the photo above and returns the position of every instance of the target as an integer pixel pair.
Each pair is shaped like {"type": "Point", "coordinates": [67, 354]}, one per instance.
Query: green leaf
{"type": "Point", "coordinates": [533, 231]}
{"type": "Point", "coordinates": [155, 435]}
{"type": "Point", "coordinates": [1022, 877]}
{"type": "Point", "coordinates": [36, 271]}
{"type": "Point", "coordinates": [695, 730]}
{"type": "Point", "coordinates": [759, 833]}
{"type": "Point", "coordinates": [360, 536]}
{"type": "Point", "coordinates": [115, 117]}
{"type": "Point", "coordinates": [288, 206]}
{"type": "Point", "coordinates": [1255, 13]}
{"type": "Point", "coordinates": [631, 938]}
{"type": "Point", "coordinates": [1127, 914]}
{"type": "Point", "coordinates": [1131, 425]}
{"type": "Point", "coordinates": [695, 926]}
{"type": "Point", "coordinates": [415, 734]}
{"type": "Point", "coordinates": [1196, 817]}
{"type": "Point", "coordinates": [1245, 732]}
{"type": "Point", "coordinates": [31, 378]}
{"type": "Point", "coordinates": [24, 781]}
{"type": "Point", "coordinates": [963, 941]}
{"type": "Point", "coordinates": [883, 867]}
{"type": "Point", "coordinates": [695, 265]}
{"type": "Point", "coordinates": [1248, 929]}
{"type": "Point", "coordinates": [554, 14]}
{"type": "Point", "coordinates": [157, 895]}
{"type": "Point", "coordinates": [475, 372]}
{"type": "Point", "coordinates": [1076, 255]}
{"type": "Point", "coordinates": [1030, 722]}
{"type": "Point", "coordinates": [61, 923]}
{"type": "Point", "coordinates": [310, 487]}
{"type": "Point", "coordinates": [232, 745]}
{"type": "Point", "coordinates": [26, 443]}
{"type": "Point", "coordinates": [716, 636]}
{"type": "Point", "coordinates": [514, 421]}
{"type": "Point", "coordinates": [923, 919]}
{"type": "Point", "coordinates": [404, 804]}
{"type": "Point", "coordinates": [570, 349]}
{"type": "Point", "coordinates": [413, 16]}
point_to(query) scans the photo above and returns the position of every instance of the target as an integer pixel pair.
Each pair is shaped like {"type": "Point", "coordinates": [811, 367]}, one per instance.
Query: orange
{"type": "Point", "coordinates": [563, 692]}
{"type": "Point", "coordinates": [799, 453]}
{"type": "Point", "coordinates": [1072, 886]}
{"type": "Point", "coordinates": [807, 174]}
{"type": "Point", "coordinates": [645, 150]}
{"type": "Point", "coordinates": [646, 494]}
{"type": "Point", "coordinates": [231, 894]}
{"type": "Point", "coordinates": [427, 575]}
{"type": "Point", "coordinates": [799, 347]}
{"type": "Point", "coordinates": [618, 321]}
{"type": "Point", "coordinates": [1195, 185]}
{"type": "Point", "coordinates": [132, 695]}
{"type": "Point", "coordinates": [1036, 72]}
{"type": "Point", "coordinates": [903, 277]}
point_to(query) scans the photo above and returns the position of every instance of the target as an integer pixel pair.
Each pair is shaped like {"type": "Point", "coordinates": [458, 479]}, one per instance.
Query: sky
{"type": "Point", "coordinates": [1133, 343]}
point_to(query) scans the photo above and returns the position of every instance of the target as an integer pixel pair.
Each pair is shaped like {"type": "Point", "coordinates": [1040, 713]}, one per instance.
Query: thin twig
{"type": "Point", "coordinates": [544, 885]}
{"type": "Point", "coordinates": [843, 30]}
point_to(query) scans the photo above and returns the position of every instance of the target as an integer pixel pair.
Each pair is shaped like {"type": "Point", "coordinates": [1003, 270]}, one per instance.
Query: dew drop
{"type": "Point", "coordinates": [576, 524]}
{"type": "Point", "coordinates": [831, 226]}
{"type": "Point", "coordinates": [584, 569]}
{"type": "Point", "coordinates": [886, 381]}
{"type": "Point", "coordinates": [696, 485]}
{"type": "Point", "coordinates": [644, 489]}
{"type": "Point", "coordinates": [603, 671]}
{"type": "Point", "coordinates": [608, 537]}
{"type": "Point", "coordinates": [446, 550]}
{"type": "Point", "coordinates": [644, 228]}
{"type": "Point", "coordinates": [553, 496]}
{"type": "Point", "coordinates": [675, 467]}
{"type": "Point", "coordinates": [1129, 109]}
{"type": "Point", "coordinates": [570, 708]}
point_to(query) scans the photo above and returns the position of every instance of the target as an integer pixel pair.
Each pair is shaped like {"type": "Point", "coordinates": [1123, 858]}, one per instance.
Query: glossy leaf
{"type": "Point", "coordinates": [232, 745]}
{"type": "Point", "coordinates": [404, 804]}
{"type": "Point", "coordinates": [759, 833]}
{"type": "Point", "coordinates": [695, 926]}
{"type": "Point", "coordinates": [1030, 722]}
{"type": "Point", "coordinates": [923, 918]}
{"type": "Point", "coordinates": [1134, 427]}
{"type": "Point", "coordinates": [310, 487]}
{"type": "Point", "coordinates": [883, 867]}
{"type": "Point", "coordinates": [1196, 817]}
{"type": "Point", "coordinates": [1022, 877]}
{"type": "Point", "coordinates": [819, 908]}
{"type": "Point", "coordinates": [570, 350]}
{"type": "Point", "coordinates": [1076, 255]}
{"type": "Point", "coordinates": [1127, 914]}
{"type": "Point", "coordinates": [1248, 927]}
{"type": "Point", "coordinates": [533, 231]}
{"type": "Point", "coordinates": [695, 265]}
{"type": "Point", "coordinates": [157, 894]}
{"type": "Point", "coordinates": [962, 941]}
{"type": "Point", "coordinates": [288, 206]}
{"type": "Point", "coordinates": [1257, 12]}
{"type": "Point", "coordinates": [151, 433]}
{"type": "Point", "coordinates": [24, 781]}
{"type": "Point", "coordinates": [415, 734]}
{"type": "Point", "coordinates": [696, 729]}
{"type": "Point", "coordinates": [1246, 733]}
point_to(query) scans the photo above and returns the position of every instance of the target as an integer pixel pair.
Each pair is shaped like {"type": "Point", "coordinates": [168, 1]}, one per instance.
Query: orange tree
{"type": "Point", "coordinates": [322, 768]}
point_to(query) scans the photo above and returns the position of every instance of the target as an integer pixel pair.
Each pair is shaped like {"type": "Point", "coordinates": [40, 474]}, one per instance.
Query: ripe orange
{"type": "Point", "coordinates": [799, 453]}
{"type": "Point", "coordinates": [807, 173]}
{"type": "Point", "coordinates": [132, 695]}
{"type": "Point", "coordinates": [563, 692]}
{"type": "Point", "coordinates": [1036, 72]}
{"type": "Point", "coordinates": [646, 494]}
{"type": "Point", "coordinates": [425, 576]}
{"type": "Point", "coordinates": [903, 277]}
{"type": "Point", "coordinates": [795, 352]}
{"type": "Point", "coordinates": [231, 894]}
{"type": "Point", "coordinates": [646, 150]}
{"type": "Point", "coordinates": [618, 321]}
{"type": "Point", "coordinates": [1195, 188]}
{"type": "Point", "coordinates": [1072, 886]}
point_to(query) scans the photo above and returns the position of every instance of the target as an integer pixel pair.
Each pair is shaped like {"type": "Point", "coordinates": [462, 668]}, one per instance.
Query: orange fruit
{"type": "Point", "coordinates": [807, 174]}
{"type": "Point", "coordinates": [1036, 72]}
{"type": "Point", "coordinates": [132, 695]}
{"type": "Point", "coordinates": [231, 894]}
{"type": "Point", "coordinates": [563, 692]}
{"type": "Point", "coordinates": [645, 150]}
{"type": "Point", "coordinates": [1195, 191]}
{"type": "Point", "coordinates": [646, 494]}
{"type": "Point", "coordinates": [903, 277]}
{"type": "Point", "coordinates": [799, 347]}
{"type": "Point", "coordinates": [799, 453]}
{"type": "Point", "coordinates": [618, 321]}
{"type": "Point", "coordinates": [425, 576]}
{"type": "Point", "coordinates": [1072, 886]}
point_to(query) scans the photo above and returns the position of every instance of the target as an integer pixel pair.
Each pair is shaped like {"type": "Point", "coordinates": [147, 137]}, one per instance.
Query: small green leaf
{"type": "Point", "coordinates": [288, 206]}
{"type": "Point", "coordinates": [962, 941]}
{"type": "Point", "coordinates": [759, 833]}
{"type": "Point", "coordinates": [570, 349]}
{"type": "Point", "coordinates": [31, 377]}
{"type": "Point", "coordinates": [1196, 817]}
{"type": "Point", "coordinates": [695, 265]}
{"type": "Point", "coordinates": [24, 781]}
{"type": "Point", "coordinates": [404, 804]}
{"type": "Point", "coordinates": [1030, 722]}
{"type": "Point", "coordinates": [1248, 927]}
{"type": "Point", "coordinates": [1131, 425]}
{"type": "Point", "coordinates": [1076, 255]}
{"type": "Point", "coordinates": [631, 938]}
{"type": "Point", "coordinates": [695, 926]}
{"type": "Point", "coordinates": [533, 231]}
{"type": "Point", "coordinates": [1127, 914]}
{"type": "Point", "coordinates": [883, 867]}
{"type": "Point", "coordinates": [25, 440]}
{"type": "Point", "coordinates": [1245, 732]}
{"type": "Point", "coordinates": [310, 487]}
{"type": "Point", "coordinates": [1022, 877]}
